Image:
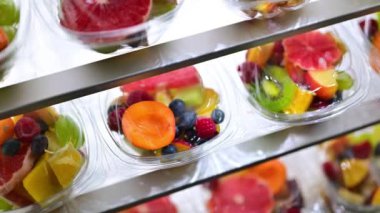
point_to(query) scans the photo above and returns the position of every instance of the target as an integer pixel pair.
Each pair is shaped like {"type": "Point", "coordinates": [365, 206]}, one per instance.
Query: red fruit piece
{"type": "Point", "coordinates": [101, 15]}
{"type": "Point", "coordinates": [332, 171]}
{"type": "Point", "coordinates": [369, 27]}
{"type": "Point", "coordinates": [3, 39]}
{"type": "Point", "coordinates": [295, 72]}
{"type": "Point", "coordinates": [184, 77]}
{"type": "Point", "coordinates": [15, 168]}
{"type": "Point", "coordinates": [249, 71]}
{"type": "Point", "coordinates": [138, 96]}
{"type": "Point", "coordinates": [312, 51]}
{"type": "Point", "coordinates": [278, 54]}
{"type": "Point", "coordinates": [26, 128]}
{"type": "Point", "coordinates": [182, 145]}
{"type": "Point", "coordinates": [114, 119]}
{"type": "Point", "coordinates": [159, 205]}
{"type": "Point", "coordinates": [205, 128]}
{"type": "Point", "coordinates": [363, 150]}
{"type": "Point", "coordinates": [241, 194]}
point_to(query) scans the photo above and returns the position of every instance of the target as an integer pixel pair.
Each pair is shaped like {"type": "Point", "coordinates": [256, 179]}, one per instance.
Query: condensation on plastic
{"type": "Point", "coordinates": [127, 153]}
{"type": "Point", "coordinates": [250, 8]}
{"type": "Point", "coordinates": [85, 177]}
{"type": "Point", "coordinates": [353, 62]}
{"type": "Point", "coordinates": [8, 54]}
{"type": "Point", "coordinates": [195, 199]}
{"type": "Point", "coordinates": [338, 203]}
{"type": "Point", "coordinates": [151, 30]}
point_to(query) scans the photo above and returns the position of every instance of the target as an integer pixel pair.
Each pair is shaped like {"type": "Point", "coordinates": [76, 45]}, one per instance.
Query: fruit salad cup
{"type": "Point", "coordinates": [108, 25]}
{"type": "Point", "coordinates": [370, 26]}
{"type": "Point", "coordinates": [43, 154]}
{"type": "Point", "coordinates": [305, 78]}
{"type": "Point", "coordinates": [14, 16]}
{"type": "Point", "coordinates": [352, 168]}
{"type": "Point", "coordinates": [266, 8]}
{"type": "Point", "coordinates": [165, 120]}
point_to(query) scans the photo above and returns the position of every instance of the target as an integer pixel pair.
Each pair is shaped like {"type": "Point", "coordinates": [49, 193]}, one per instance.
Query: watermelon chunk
{"type": "Point", "coordinates": [159, 205]}
{"type": "Point", "coordinates": [181, 78]}
{"type": "Point", "coordinates": [241, 194]}
{"type": "Point", "coordinates": [15, 168]}
{"type": "Point", "coordinates": [312, 51]}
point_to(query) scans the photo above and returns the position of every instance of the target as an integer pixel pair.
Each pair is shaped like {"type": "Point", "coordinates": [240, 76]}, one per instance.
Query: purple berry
{"type": "Point", "coordinates": [369, 27]}
{"type": "Point", "coordinates": [114, 119]}
{"type": "Point", "coordinates": [278, 53]}
{"type": "Point", "coordinates": [39, 144]}
{"type": "Point", "coordinates": [138, 96]}
{"type": "Point", "coordinates": [249, 71]}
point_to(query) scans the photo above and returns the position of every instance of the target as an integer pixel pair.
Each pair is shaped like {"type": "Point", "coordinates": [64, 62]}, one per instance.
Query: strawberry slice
{"type": "Point", "coordinates": [13, 169]}
{"type": "Point", "coordinates": [180, 78]}
{"type": "Point", "coordinates": [100, 15]}
{"type": "Point", "coordinates": [159, 205]}
{"type": "Point", "coordinates": [312, 51]}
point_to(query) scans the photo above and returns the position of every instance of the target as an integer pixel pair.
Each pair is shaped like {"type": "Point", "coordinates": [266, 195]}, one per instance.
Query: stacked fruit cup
{"type": "Point", "coordinates": [164, 117]}
{"type": "Point", "coordinates": [107, 26]}
{"type": "Point", "coordinates": [370, 26]}
{"type": "Point", "coordinates": [9, 24]}
{"type": "Point", "coordinates": [352, 168]}
{"type": "Point", "coordinates": [303, 78]}
{"type": "Point", "coordinates": [267, 8]}
{"type": "Point", "coordinates": [42, 153]}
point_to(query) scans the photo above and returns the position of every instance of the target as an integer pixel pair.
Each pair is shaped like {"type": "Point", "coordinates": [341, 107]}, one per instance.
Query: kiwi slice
{"type": "Point", "coordinates": [276, 90]}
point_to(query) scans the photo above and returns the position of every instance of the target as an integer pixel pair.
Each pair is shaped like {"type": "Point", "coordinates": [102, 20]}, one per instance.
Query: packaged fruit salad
{"type": "Point", "coordinates": [108, 25]}
{"type": "Point", "coordinates": [306, 77]}
{"type": "Point", "coordinates": [370, 26]}
{"type": "Point", "coordinates": [352, 167]}
{"type": "Point", "coordinates": [42, 154]}
{"type": "Point", "coordinates": [266, 8]}
{"type": "Point", "coordinates": [165, 120]}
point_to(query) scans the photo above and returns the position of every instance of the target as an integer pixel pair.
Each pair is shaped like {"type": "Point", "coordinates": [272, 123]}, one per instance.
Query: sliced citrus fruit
{"type": "Point", "coordinates": [210, 102]}
{"type": "Point", "coordinates": [159, 205]}
{"type": "Point", "coordinates": [301, 102]}
{"type": "Point", "coordinates": [6, 129]}
{"type": "Point", "coordinates": [312, 51]}
{"type": "Point", "coordinates": [260, 54]}
{"type": "Point", "coordinates": [354, 172]}
{"type": "Point", "coordinates": [149, 125]}
{"type": "Point", "coordinates": [41, 183]}
{"type": "Point", "coordinates": [65, 164]}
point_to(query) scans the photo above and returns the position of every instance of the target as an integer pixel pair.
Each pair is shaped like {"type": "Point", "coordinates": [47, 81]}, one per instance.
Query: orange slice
{"type": "Point", "coordinates": [149, 125]}
{"type": "Point", "coordinates": [6, 129]}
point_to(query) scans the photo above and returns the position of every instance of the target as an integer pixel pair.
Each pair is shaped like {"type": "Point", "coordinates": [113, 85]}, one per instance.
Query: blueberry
{"type": "Point", "coordinates": [138, 39]}
{"type": "Point", "coordinates": [217, 116]}
{"type": "Point", "coordinates": [43, 126]}
{"type": "Point", "coordinates": [338, 96]}
{"type": "Point", "coordinates": [170, 149]}
{"type": "Point", "coordinates": [377, 149]}
{"type": "Point", "coordinates": [186, 120]}
{"type": "Point", "coordinates": [39, 144]}
{"type": "Point", "coordinates": [177, 132]}
{"type": "Point", "coordinates": [191, 136]}
{"type": "Point", "coordinates": [178, 107]}
{"type": "Point", "coordinates": [11, 147]}
{"type": "Point", "coordinates": [346, 154]}
{"type": "Point", "coordinates": [200, 141]}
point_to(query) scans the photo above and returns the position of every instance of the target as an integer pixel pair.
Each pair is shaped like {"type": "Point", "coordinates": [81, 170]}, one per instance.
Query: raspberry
{"type": "Point", "coordinates": [369, 27]}
{"type": "Point", "coordinates": [26, 128]}
{"type": "Point", "coordinates": [249, 71]}
{"type": "Point", "coordinates": [138, 96]}
{"type": "Point", "coordinates": [205, 128]}
{"type": "Point", "coordinates": [114, 119]}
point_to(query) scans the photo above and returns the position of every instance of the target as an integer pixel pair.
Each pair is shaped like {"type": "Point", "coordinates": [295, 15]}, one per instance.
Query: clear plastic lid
{"type": "Point", "coordinates": [15, 17]}
{"type": "Point", "coordinates": [169, 120]}
{"type": "Point", "coordinates": [351, 166]}
{"type": "Point", "coordinates": [49, 155]}
{"type": "Point", "coordinates": [306, 78]}
{"type": "Point", "coordinates": [109, 25]}
{"type": "Point", "coordinates": [266, 8]}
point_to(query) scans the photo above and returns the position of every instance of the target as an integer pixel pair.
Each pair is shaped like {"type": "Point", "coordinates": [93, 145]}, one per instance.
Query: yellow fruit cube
{"type": "Point", "coordinates": [41, 182]}
{"type": "Point", "coordinates": [354, 172]}
{"type": "Point", "coordinates": [301, 102]}
{"type": "Point", "coordinates": [376, 198]}
{"type": "Point", "coordinates": [65, 164]}
{"type": "Point", "coordinates": [260, 54]}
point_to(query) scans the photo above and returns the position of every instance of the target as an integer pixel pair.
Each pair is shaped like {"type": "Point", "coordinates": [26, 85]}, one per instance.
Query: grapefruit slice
{"type": "Point", "coordinates": [184, 77]}
{"type": "Point", "coordinates": [241, 194]}
{"type": "Point", "coordinates": [15, 168]}
{"type": "Point", "coordinates": [149, 125]}
{"type": "Point", "coordinates": [312, 51]}
{"type": "Point", "coordinates": [101, 15]}
{"type": "Point", "coordinates": [159, 205]}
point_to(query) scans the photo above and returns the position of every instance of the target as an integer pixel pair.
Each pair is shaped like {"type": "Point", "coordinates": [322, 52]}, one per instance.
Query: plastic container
{"type": "Point", "coordinates": [131, 155]}
{"type": "Point", "coordinates": [7, 54]}
{"type": "Point", "coordinates": [107, 39]}
{"type": "Point", "coordinates": [326, 98]}
{"type": "Point", "coordinates": [351, 168]}
{"type": "Point", "coordinates": [50, 164]}
{"type": "Point", "coordinates": [266, 9]}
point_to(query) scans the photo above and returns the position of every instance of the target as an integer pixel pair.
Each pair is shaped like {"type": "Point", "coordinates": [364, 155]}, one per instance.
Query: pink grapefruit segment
{"type": "Point", "coordinates": [184, 77]}
{"type": "Point", "coordinates": [101, 15]}
{"type": "Point", "coordinates": [241, 194]}
{"type": "Point", "coordinates": [312, 51]}
{"type": "Point", "coordinates": [159, 205]}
